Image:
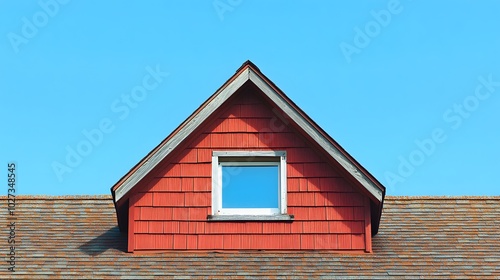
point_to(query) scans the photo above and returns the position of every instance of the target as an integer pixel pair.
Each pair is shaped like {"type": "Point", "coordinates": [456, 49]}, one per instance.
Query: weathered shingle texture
{"type": "Point", "coordinates": [419, 237]}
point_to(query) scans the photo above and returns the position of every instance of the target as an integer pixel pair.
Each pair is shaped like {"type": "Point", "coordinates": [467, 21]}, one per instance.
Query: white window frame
{"type": "Point", "coordinates": [248, 158]}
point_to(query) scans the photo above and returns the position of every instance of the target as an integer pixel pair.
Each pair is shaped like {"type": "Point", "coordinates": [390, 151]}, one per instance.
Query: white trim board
{"type": "Point", "coordinates": [248, 158]}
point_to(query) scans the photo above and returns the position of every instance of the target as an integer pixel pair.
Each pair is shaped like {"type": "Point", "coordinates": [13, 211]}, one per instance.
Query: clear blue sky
{"type": "Point", "coordinates": [411, 89]}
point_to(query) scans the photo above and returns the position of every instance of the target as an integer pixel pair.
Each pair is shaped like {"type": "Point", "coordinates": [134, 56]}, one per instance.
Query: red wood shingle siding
{"type": "Point", "coordinates": [170, 211]}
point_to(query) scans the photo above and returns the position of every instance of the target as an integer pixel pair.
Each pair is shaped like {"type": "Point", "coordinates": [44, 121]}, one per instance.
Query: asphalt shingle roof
{"type": "Point", "coordinates": [419, 237]}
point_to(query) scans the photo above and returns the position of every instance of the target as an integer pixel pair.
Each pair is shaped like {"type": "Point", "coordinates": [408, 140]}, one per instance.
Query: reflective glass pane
{"type": "Point", "coordinates": [250, 186]}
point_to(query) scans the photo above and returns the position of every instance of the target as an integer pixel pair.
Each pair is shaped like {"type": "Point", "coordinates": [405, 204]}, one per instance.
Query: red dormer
{"type": "Point", "coordinates": [248, 170]}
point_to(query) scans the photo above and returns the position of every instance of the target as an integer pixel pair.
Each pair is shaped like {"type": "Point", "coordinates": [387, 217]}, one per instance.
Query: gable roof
{"type": "Point", "coordinates": [249, 73]}
{"type": "Point", "coordinates": [419, 237]}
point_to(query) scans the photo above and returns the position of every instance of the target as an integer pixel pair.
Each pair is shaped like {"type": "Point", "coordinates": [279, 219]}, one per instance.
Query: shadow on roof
{"type": "Point", "coordinates": [111, 239]}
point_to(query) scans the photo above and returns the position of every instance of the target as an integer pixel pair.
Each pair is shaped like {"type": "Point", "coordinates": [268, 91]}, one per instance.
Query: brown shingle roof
{"type": "Point", "coordinates": [428, 237]}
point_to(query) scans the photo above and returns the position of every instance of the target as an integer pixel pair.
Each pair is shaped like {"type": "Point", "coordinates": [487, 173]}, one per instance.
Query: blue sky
{"type": "Point", "coordinates": [411, 89]}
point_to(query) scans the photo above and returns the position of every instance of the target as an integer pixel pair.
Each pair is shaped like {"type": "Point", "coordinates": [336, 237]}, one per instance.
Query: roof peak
{"type": "Point", "coordinates": [248, 63]}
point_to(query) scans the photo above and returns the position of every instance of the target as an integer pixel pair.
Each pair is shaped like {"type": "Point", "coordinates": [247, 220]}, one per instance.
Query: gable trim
{"type": "Point", "coordinates": [193, 123]}
{"type": "Point", "coordinates": [316, 135]}
{"type": "Point", "coordinates": [243, 75]}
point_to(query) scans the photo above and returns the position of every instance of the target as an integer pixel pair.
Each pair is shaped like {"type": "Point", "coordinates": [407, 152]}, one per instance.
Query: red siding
{"type": "Point", "coordinates": [170, 211]}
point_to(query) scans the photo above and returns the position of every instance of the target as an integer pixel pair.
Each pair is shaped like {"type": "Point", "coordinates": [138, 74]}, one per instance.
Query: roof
{"type": "Point", "coordinates": [249, 73]}
{"type": "Point", "coordinates": [427, 237]}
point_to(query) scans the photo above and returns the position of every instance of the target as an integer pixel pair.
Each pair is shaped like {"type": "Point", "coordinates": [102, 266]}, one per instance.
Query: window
{"type": "Point", "coordinates": [249, 184]}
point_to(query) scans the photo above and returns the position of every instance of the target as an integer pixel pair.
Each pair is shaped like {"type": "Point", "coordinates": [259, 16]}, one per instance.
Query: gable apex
{"type": "Point", "coordinates": [249, 73]}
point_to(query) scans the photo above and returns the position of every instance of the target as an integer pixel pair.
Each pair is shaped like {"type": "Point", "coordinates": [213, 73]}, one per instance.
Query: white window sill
{"type": "Point", "coordinates": [280, 217]}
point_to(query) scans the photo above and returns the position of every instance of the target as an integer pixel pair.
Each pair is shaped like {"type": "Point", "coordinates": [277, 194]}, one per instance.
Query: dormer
{"type": "Point", "coordinates": [248, 170]}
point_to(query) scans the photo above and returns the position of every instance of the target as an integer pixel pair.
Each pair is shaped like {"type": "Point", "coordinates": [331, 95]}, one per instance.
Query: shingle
{"type": "Point", "coordinates": [419, 237]}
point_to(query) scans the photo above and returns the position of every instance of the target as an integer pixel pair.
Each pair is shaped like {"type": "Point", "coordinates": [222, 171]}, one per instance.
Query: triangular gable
{"type": "Point", "coordinates": [248, 72]}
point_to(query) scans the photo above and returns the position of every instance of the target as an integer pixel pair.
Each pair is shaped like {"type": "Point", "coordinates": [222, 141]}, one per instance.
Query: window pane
{"type": "Point", "coordinates": [250, 186]}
